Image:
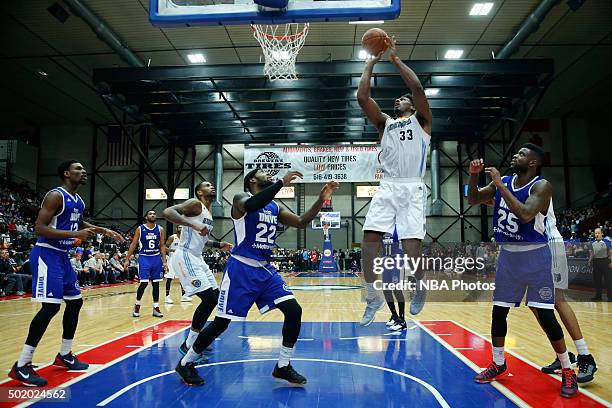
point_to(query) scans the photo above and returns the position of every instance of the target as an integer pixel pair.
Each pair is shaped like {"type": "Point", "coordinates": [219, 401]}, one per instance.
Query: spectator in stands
{"type": "Point", "coordinates": [8, 267]}
{"type": "Point", "coordinates": [117, 271]}
{"type": "Point", "coordinates": [82, 272]}
{"type": "Point", "coordinates": [599, 259]}
{"type": "Point", "coordinates": [314, 259]}
{"type": "Point", "coordinates": [6, 284]}
{"type": "Point", "coordinates": [305, 260]}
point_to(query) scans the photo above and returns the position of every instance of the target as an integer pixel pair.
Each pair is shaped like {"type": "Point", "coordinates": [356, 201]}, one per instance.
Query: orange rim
{"type": "Point", "coordinates": [281, 37]}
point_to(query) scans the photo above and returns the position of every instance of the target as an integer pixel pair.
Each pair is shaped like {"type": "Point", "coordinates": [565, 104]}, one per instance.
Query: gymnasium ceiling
{"type": "Point", "coordinates": [580, 43]}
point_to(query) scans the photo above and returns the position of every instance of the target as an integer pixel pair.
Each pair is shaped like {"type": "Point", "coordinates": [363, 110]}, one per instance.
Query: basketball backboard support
{"type": "Point", "coordinates": [326, 218]}
{"type": "Point", "coordinates": [206, 12]}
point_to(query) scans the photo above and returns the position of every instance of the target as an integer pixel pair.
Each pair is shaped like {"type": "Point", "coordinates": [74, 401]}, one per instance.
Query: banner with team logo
{"type": "Point", "coordinates": [348, 163]}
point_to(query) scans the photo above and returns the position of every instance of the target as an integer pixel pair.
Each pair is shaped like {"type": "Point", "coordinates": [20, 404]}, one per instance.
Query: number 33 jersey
{"type": "Point", "coordinates": [255, 233]}
{"type": "Point", "coordinates": [506, 225]}
{"type": "Point", "coordinates": [403, 148]}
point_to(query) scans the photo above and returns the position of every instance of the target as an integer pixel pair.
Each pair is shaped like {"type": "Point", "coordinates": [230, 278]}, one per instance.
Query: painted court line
{"type": "Point", "coordinates": [529, 383]}
{"type": "Point", "coordinates": [439, 398]}
{"type": "Point", "coordinates": [100, 357]}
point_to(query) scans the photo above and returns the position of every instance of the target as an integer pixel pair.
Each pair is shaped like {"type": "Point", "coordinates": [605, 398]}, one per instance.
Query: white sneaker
{"type": "Point", "coordinates": [391, 322]}
{"type": "Point", "coordinates": [169, 300]}
{"type": "Point", "coordinates": [400, 324]}
{"type": "Point", "coordinates": [186, 298]}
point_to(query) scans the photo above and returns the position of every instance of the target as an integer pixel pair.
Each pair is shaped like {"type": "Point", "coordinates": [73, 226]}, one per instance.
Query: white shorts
{"type": "Point", "coordinates": [560, 269]}
{"type": "Point", "coordinates": [170, 273]}
{"type": "Point", "coordinates": [398, 203]}
{"type": "Point", "coordinates": [193, 272]}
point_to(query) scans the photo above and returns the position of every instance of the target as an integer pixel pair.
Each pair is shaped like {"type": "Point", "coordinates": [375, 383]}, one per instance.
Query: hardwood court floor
{"type": "Point", "coordinates": [106, 315]}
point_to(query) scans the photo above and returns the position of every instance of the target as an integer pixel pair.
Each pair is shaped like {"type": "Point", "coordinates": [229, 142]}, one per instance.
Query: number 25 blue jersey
{"type": "Point", "coordinates": [255, 233]}
{"type": "Point", "coordinates": [506, 225]}
{"type": "Point", "coordinates": [69, 218]}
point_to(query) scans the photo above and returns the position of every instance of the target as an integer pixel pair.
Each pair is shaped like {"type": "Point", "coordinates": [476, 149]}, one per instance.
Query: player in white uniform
{"type": "Point", "coordinates": [171, 244]}
{"type": "Point", "coordinates": [401, 197]}
{"type": "Point", "coordinates": [187, 262]}
{"type": "Point", "coordinates": [560, 271]}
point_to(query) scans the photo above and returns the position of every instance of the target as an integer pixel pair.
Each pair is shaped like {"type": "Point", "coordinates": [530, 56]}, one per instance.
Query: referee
{"type": "Point", "coordinates": [600, 260]}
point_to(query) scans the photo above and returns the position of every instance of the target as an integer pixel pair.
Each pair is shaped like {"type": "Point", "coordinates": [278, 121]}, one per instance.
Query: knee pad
{"type": "Point", "coordinates": [220, 324]}
{"type": "Point", "coordinates": [291, 309]}
{"type": "Point", "coordinates": [549, 323]}
{"type": "Point", "coordinates": [499, 326]}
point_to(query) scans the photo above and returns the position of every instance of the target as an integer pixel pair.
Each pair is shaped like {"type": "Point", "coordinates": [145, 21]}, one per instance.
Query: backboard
{"type": "Point", "coordinates": [216, 12]}
{"type": "Point", "coordinates": [332, 219]}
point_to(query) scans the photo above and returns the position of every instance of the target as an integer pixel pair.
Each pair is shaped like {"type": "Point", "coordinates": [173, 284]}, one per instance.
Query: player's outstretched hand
{"type": "Point", "coordinates": [494, 174]}
{"type": "Point", "coordinates": [292, 175]}
{"type": "Point", "coordinates": [328, 190]}
{"type": "Point", "coordinates": [114, 235]}
{"type": "Point", "coordinates": [85, 234]}
{"type": "Point", "coordinates": [225, 246]}
{"type": "Point", "coordinates": [392, 50]}
{"type": "Point", "coordinates": [476, 166]}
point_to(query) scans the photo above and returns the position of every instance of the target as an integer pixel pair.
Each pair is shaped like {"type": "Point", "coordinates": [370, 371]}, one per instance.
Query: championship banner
{"type": "Point", "coordinates": [348, 163]}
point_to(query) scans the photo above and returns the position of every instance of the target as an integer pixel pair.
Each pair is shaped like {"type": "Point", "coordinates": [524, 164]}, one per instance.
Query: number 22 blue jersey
{"type": "Point", "coordinates": [69, 218]}
{"type": "Point", "coordinates": [255, 233]}
{"type": "Point", "coordinates": [506, 225]}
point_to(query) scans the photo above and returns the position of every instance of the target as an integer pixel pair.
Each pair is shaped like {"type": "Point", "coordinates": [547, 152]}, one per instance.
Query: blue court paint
{"type": "Point", "coordinates": [346, 366]}
{"type": "Point", "coordinates": [326, 275]}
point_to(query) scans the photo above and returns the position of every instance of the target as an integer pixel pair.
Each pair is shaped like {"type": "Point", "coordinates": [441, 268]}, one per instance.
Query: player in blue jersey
{"type": "Point", "coordinates": [59, 222]}
{"type": "Point", "coordinates": [524, 263]}
{"type": "Point", "coordinates": [249, 278]}
{"type": "Point", "coordinates": [151, 260]}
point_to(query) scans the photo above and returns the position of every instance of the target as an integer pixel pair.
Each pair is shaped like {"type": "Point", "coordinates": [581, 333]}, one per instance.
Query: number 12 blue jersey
{"type": "Point", "coordinates": [69, 218]}
{"type": "Point", "coordinates": [255, 233]}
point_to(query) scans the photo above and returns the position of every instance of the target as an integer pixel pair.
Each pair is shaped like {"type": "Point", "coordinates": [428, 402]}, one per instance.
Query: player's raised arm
{"type": "Point", "coordinates": [419, 99]}
{"type": "Point", "coordinates": [538, 201]}
{"type": "Point", "coordinates": [297, 221]}
{"type": "Point", "coordinates": [244, 202]}
{"type": "Point", "coordinates": [177, 214]}
{"type": "Point", "coordinates": [51, 205]}
{"type": "Point", "coordinates": [478, 195]}
{"type": "Point", "coordinates": [369, 105]}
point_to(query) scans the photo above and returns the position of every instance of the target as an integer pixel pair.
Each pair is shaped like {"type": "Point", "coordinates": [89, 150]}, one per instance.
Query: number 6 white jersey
{"type": "Point", "coordinates": [404, 148]}
{"type": "Point", "coordinates": [191, 240]}
{"type": "Point", "coordinates": [255, 233]}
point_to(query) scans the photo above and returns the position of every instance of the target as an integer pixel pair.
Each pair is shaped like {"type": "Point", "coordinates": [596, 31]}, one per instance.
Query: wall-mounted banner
{"type": "Point", "coordinates": [348, 163]}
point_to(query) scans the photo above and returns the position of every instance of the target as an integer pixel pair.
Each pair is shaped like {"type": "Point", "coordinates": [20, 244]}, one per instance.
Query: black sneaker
{"type": "Point", "coordinates": [400, 324]}
{"type": "Point", "coordinates": [70, 361]}
{"type": "Point", "coordinates": [492, 373]}
{"type": "Point", "coordinates": [27, 376]}
{"type": "Point", "coordinates": [189, 374]}
{"type": "Point", "coordinates": [555, 366]}
{"type": "Point", "coordinates": [569, 383]}
{"type": "Point", "coordinates": [289, 374]}
{"type": "Point", "coordinates": [586, 368]}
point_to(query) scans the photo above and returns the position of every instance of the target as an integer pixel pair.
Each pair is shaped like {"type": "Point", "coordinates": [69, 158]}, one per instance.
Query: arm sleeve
{"type": "Point", "coordinates": [261, 199]}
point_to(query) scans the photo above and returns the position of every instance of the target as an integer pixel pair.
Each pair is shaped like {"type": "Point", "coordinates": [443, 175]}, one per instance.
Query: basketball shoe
{"type": "Point", "coordinates": [586, 368]}
{"type": "Point", "coordinates": [373, 306]}
{"type": "Point", "coordinates": [555, 366]}
{"type": "Point", "coordinates": [136, 312]}
{"type": "Point", "coordinates": [189, 374]}
{"type": "Point", "coordinates": [491, 373]}
{"type": "Point", "coordinates": [288, 373]}
{"type": "Point", "coordinates": [27, 376]}
{"type": "Point", "coordinates": [70, 361]}
{"type": "Point", "coordinates": [569, 383]}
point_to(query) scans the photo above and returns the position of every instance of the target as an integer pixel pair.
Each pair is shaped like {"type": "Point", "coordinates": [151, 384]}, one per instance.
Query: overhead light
{"type": "Point", "coordinates": [432, 91]}
{"type": "Point", "coordinates": [58, 12]}
{"type": "Point", "coordinates": [363, 54]}
{"type": "Point", "coordinates": [196, 58]}
{"type": "Point", "coordinates": [481, 9]}
{"type": "Point", "coordinates": [42, 73]}
{"type": "Point", "coordinates": [453, 54]}
{"type": "Point", "coordinates": [367, 22]}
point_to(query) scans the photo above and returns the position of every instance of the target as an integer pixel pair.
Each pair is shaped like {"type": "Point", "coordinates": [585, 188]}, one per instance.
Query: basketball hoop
{"type": "Point", "coordinates": [280, 47]}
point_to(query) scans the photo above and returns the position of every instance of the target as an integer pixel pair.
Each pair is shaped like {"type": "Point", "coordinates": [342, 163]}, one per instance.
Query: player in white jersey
{"type": "Point", "coordinates": [401, 197]}
{"type": "Point", "coordinates": [560, 271]}
{"type": "Point", "coordinates": [171, 245]}
{"type": "Point", "coordinates": [187, 262]}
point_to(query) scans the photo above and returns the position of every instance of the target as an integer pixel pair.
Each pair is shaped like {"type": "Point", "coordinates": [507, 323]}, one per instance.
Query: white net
{"type": "Point", "coordinates": [281, 45]}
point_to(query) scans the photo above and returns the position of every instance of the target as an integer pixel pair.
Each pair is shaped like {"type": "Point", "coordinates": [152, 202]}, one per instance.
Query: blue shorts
{"type": "Point", "coordinates": [150, 268]}
{"type": "Point", "coordinates": [242, 285]}
{"type": "Point", "coordinates": [53, 277]}
{"type": "Point", "coordinates": [527, 270]}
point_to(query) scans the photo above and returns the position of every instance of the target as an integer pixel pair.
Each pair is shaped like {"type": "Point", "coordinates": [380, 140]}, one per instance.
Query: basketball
{"type": "Point", "coordinates": [373, 41]}
{"type": "Point", "coordinates": [77, 242]}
